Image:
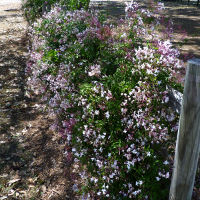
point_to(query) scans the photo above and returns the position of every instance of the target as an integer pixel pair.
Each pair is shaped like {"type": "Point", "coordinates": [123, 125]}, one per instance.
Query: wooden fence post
{"type": "Point", "coordinates": [188, 139]}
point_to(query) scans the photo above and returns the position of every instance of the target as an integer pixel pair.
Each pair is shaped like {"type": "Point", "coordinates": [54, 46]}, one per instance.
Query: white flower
{"type": "Point", "coordinates": [95, 180]}
{"type": "Point", "coordinates": [138, 183]}
{"type": "Point", "coordinates": [170, 117]}
{"type": "Point", "coordinates": [99, 193]}
{"type": "Point", "coordinates": [103, 191]}
{"type": "Point", "coordinates": [95, 70]}
{"type": "Point", "coordinates": [123, 35]}
{"type": "Point", "coordinates": [149, 71]}
{"type": "Point", "coordinates": [167, 175]}
{"type": "Point", "coordinates": [85, 126]}
{"type": "Point", "coordinates": [92, 179]}
{"type": "Point", "coordinates": [166, 162]}
{"type": "Point", "coordinates": [134, 151]}
{"type": "Point", "coordinates": [95, 90]}
{"type": "Point", "coordinates": [102, 136]}
{"type": "Point", "coordinates": [69, 137]}
{"type": "Point", "coordinates": [112, 175]}
{"type": "Point", "coordinates": [96, 112]}
{"type": "Point", "coordinates": [157, 178]}
{"type": "Point", "coordinates": [148, 154]}
{"type": "Point", "coordinates": [166, 99]}
{"type": "Point", "coordinates": [107, 114]}
{"type": "Point", "coordinates": [123, 110]}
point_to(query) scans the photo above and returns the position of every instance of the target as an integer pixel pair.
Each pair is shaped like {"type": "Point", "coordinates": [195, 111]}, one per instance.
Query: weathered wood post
{"type": "Point", "coordinates": [188, 139]}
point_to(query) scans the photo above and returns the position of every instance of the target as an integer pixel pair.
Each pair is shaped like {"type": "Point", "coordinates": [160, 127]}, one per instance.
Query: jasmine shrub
{"type": "Point", "coordinates": [107, 87]}
{"type": "Point", "coordinates": [33, 9]}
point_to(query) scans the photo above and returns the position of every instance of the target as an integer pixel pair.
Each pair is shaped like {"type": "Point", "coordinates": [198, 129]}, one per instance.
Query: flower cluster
{"type": "Point", "coordinates": [34, 9]}
{"type": "Point", "coordinates": [108, 90]}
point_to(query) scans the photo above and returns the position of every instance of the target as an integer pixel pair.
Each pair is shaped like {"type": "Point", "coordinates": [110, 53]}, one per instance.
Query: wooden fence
{"type": "Point", "coordinates": [188, 139]}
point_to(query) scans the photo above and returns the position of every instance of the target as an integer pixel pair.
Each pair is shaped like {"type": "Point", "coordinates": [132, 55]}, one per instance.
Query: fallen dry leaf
{"type": "Point", "coordinates": [13, 181]}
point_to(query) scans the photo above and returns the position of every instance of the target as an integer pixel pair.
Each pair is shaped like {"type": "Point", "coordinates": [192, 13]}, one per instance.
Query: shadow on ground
{"type": "Point", "coordinates": [32, 163]}
{"type": "Point", "coordinates": [185, 18]}
{"type": "Point", "coordinates": [112, 9]}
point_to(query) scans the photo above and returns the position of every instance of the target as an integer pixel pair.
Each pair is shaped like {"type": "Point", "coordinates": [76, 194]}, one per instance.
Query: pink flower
{"type": "Point", "coordinates": [95, 70]}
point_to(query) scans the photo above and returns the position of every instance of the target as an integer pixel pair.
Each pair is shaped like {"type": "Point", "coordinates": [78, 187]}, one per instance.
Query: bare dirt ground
{"type": "Point", "coordinates": [32, 163]}
{"type": "Point", "coordinates": [186, 18]}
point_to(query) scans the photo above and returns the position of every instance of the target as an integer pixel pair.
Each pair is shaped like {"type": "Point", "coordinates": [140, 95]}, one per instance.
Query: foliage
{"type": "Point", "coordinates": [108, 89]}
{"type": "Point", "coordinates": [33, 9]}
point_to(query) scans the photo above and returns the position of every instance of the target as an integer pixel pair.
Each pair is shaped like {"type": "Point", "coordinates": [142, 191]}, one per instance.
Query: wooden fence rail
{"type": "Point", "coordinates": [188, 139]}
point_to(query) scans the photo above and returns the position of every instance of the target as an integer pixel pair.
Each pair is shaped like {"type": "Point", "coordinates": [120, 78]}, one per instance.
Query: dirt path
{"type": "Point", "coordinates": [186, 20]}
{"type": "Point", "coordinates": [32, 163]}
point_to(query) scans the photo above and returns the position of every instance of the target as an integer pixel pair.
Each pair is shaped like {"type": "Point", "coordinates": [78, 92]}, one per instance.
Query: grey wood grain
{"type": "Point", "coordinates": [188, 139]}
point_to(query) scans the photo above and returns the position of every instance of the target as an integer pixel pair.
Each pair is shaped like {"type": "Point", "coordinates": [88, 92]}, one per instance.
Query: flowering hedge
{"type": "Point", "coordinates": [107, 87]}
{"type": "Point", "coordinates": [33, 9]}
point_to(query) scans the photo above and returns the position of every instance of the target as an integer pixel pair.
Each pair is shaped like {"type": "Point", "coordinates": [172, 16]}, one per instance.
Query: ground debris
{"type": "Point", "coordinates": [32, 164]}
